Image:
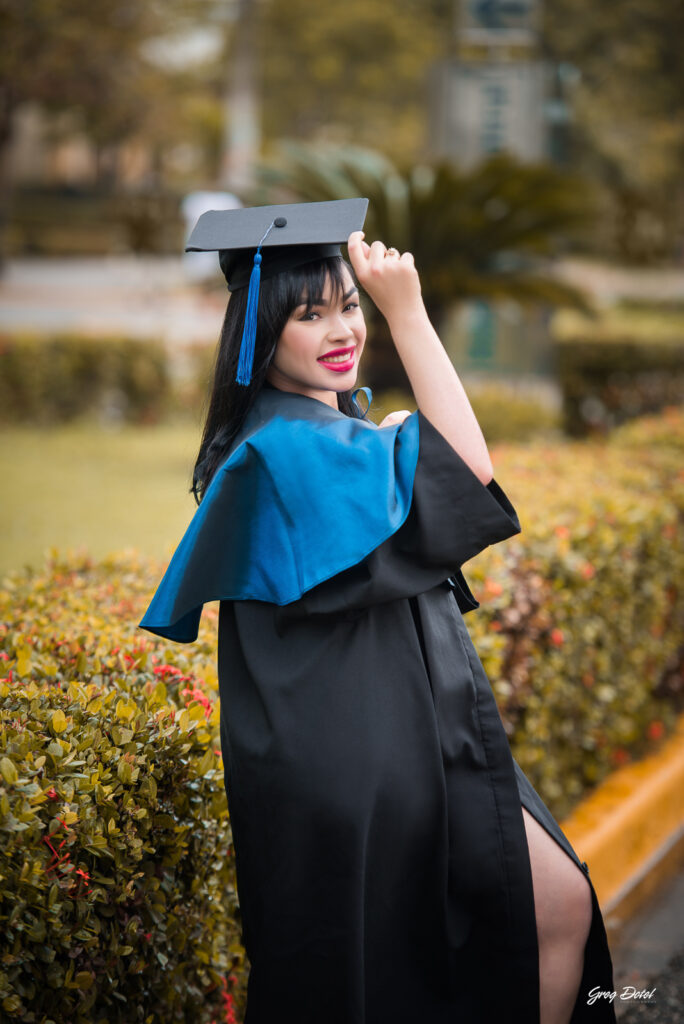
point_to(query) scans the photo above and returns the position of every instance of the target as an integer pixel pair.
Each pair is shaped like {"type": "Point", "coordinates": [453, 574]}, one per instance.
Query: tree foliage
{"type": "Point", "coordinates": [354, 71]}
{"type": "Point", "coordinates": [90, 61]}
{"type": "Point", "coordinates": [628, 106]}
{"type": "Point", "coordinates": [472, 232]}
{"type": "Point", "coordinates": [631, 98]}
{"type": "Point", "coordinates": [486, 232]}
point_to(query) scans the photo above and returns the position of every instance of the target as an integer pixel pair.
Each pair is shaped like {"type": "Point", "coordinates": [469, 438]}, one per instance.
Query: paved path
{"type": "Point", "coordinates": [137, 297]}
{"type": "Point", "coordinates": [651, 956]}
{"type": "Point", "coordinates": [609, 283]}
{"type": "Point", "coordinates": [151, 296]}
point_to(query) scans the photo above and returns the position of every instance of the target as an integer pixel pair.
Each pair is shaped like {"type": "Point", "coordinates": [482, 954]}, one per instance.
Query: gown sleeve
{"type": "Point", "coordinates": [452, 517]}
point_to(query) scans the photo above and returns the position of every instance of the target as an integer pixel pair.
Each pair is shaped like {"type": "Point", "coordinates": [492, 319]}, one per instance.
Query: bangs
{"type": "Point", "coordinates": [309, 282]}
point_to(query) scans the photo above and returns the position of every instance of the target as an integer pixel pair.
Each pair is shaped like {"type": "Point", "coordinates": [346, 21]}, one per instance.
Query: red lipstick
{"type": "Point", "coordinates": [342, 365]}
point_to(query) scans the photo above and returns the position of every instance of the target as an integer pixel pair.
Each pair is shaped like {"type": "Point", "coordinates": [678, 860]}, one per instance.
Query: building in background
{"type": "Point", "coordinates": [493, 94]}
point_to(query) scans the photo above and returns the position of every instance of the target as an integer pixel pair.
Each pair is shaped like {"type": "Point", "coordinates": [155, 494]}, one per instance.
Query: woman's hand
{"type": "Point", "coordinates": [393, 285]}
{"type": "Point", "coordinates": [391, 281]}
{"type": "Point", "coordinates": [394, 417]}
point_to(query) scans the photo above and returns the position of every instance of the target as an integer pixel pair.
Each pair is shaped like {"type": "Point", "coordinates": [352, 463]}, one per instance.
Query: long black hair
{"type": "Point", "coordinates": [229, 402]}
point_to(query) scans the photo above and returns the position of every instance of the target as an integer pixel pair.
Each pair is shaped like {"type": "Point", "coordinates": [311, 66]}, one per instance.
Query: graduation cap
{"type": "Point", "coordinates": [289, 234]}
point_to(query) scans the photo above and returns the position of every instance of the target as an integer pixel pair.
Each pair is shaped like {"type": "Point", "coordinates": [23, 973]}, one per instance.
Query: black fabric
{"type": "Point", "coordinates": [413, 605]}
{"type": "Point", "coordinates": [237, 265]}
{"type": "Point", "coordinates": [382, 863]}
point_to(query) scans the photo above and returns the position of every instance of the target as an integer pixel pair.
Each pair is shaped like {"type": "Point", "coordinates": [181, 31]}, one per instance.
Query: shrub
{"type": "Point", "coordinates": [620, 365]}
{"type": "Point", "coordinates": [56, 379]}
{"type": "Point", "coordinates": [507, 416]}
{"type": "Point", "coordinates": [582, 623]}
{"type": "Point", "coordinates": [117, 893]}
{"type": "Point", "coordinates": [503, 414]}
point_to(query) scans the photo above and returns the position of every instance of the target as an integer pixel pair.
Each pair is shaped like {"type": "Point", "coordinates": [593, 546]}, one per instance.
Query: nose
{"type": "Point", "coordinates": [340, 329]}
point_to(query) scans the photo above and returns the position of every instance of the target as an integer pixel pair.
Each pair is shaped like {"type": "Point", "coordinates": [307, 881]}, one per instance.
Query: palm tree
{"type": "Point", "coordinates": [483, 233]}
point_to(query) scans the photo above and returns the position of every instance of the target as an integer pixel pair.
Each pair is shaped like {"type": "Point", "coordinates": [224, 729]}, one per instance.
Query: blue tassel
{"type": "Point", "coordinates": [246, 360]}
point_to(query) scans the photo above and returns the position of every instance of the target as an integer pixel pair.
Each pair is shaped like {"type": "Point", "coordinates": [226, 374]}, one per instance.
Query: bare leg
{"type": "Point", "coordinates": [562, 900]}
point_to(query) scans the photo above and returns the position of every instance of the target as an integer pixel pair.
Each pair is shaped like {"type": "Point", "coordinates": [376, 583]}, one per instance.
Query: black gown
{"type": "Point", "coordinates": [382, 863]}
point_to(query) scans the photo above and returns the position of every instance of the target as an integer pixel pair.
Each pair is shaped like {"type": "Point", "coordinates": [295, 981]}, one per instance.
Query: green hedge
{"type": "Point", "coordinates": [503, 415]}
{"type": "Point", "coordinates": [56, 379]}
{"type": "Point", "coordinates": [117, 896]}
{"type": "Point", "coordinates": [70, 222]}
{"type": "Point", "coordinates": [582, 623]}
{"type": "Point", "coordinates": [619, 365]}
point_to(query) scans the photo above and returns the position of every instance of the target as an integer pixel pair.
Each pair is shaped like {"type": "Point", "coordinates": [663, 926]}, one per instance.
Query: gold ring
{"type": "Point", "coordinates": [392, 251]}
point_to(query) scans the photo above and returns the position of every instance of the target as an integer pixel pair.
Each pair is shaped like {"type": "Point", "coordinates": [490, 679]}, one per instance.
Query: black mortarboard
{"type": "Point", "coordinates": [289, 233]}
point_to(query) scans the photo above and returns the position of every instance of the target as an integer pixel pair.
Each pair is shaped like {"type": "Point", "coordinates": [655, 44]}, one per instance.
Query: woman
{"type": "Point", "coordinates": [393, 862]}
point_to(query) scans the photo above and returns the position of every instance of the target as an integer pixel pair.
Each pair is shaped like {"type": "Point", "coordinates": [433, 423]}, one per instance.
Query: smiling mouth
{"type": "Point", "coordinates": [338, 356]}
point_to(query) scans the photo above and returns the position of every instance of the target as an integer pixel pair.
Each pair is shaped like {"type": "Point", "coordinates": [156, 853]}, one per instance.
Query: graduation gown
{"type": "Point", "coordinates": [382, 863]}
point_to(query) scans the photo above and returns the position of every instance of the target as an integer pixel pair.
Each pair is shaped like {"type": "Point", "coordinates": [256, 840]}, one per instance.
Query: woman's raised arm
{"type": "Point", "coordinates": [394, 286]}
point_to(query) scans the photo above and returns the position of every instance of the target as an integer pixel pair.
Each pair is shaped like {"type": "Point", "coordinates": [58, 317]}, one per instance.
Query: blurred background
{"type": "Point", "coordinates": [528, 153]}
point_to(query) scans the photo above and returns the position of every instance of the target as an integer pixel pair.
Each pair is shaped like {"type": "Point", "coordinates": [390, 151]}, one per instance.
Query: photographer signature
{"type": "Point", "coordinates": [628, 992]}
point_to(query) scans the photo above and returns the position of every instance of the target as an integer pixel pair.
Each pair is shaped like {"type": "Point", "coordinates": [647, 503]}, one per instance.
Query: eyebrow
{"type": "Point", "coordinates": [318, 301]}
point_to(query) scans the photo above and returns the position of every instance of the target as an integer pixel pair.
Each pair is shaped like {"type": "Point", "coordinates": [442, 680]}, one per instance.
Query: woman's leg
{"type": "Point", "coordinates": [563, 909]}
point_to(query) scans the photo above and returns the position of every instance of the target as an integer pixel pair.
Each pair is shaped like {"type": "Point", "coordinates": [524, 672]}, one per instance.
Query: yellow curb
{"type": "Point", "coordinates": [630, 831]}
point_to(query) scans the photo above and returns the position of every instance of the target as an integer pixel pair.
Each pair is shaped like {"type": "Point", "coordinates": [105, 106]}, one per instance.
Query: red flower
{"type": "Point", "coordinates": [588, 570]}
{"type": "Point", "coordinates": [557, 637]}
{"type": "Point", "coordinates": [85, 876]}
{"type": "Point", "coordinates": [228, 1004]}
{"type": "Point", "coordinates": [52, 793]}
{"type": "Point", "coordinates": [561, 531]}
{"type": "Point", "coordinates": [655, 730]}
{"type": "Point", "coordinates": [166, 670]}
{"type": "Point", "coordinates": [620, 756]}
{"type": "Point", "coordinates": [493, 587]}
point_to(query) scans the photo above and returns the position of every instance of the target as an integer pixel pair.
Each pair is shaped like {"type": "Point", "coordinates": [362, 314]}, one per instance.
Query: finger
{"type": "Point", "coordinates": [395, 417]}
{"type": "Point", "coordinates": [377, 255]}
{"type": "Point", "coordinates": [356, 240]}
{"type": "Point", "coordinates": [357, 251]}
{"type": "Point", "coordinates": [407, 257]}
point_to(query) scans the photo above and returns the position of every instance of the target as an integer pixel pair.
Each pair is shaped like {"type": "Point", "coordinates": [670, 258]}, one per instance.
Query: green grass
{"type": "Point", "coordinates": [84, 487]}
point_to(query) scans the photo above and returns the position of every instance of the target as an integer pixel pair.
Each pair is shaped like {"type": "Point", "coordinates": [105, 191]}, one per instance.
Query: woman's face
{"type": "Point", "coordinates": [333, 328]}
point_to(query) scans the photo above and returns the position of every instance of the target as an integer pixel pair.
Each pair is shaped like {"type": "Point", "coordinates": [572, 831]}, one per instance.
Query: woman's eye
{"type": "Point", "coordinates": [350, 305]}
